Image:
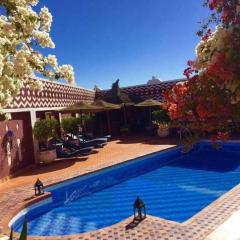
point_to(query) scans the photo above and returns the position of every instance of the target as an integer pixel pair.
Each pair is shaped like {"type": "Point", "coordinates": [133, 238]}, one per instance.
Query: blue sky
{"type": "Point", "coordinates": [127, 39]}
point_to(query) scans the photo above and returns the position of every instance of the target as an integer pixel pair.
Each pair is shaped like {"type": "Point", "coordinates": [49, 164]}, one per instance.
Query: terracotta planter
{"type": "Point", "coordinates": [47, 156]}
{"type": "Point", "coordinates": [163, 132]}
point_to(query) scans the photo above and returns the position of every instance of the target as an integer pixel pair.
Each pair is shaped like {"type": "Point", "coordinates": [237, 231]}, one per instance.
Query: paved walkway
{"type": "Point", "coordinates": [18, 193]}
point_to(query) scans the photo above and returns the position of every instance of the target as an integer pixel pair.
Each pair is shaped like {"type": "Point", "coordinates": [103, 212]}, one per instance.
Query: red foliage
{"type": "Point", "coordinates": [222, 69]}
{"type": "Point", "coordinates": [207, 35]}
{"type": "Point", "coordinates": [227, 9]}
{"type": "Point", "coordinates": [204, 103]}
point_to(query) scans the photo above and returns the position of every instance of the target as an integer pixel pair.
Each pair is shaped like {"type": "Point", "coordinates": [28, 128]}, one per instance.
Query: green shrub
{"type": "Point", "coordinates": [86, 118]}
{"type": "Point", "coordinates": [71, 125]}
{"type": "Point", "coordinates": [44, 130]}
{"type": "Point", "coordinates": [160, 116]}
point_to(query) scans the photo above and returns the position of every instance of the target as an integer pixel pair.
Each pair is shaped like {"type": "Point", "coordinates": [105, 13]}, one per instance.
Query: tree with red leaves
{"type": "Point", "coordinates": [208, 103]}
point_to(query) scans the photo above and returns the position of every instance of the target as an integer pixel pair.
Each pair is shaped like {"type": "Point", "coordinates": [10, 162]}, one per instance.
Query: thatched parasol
{"type": "Point", "coordinates": [105, 105]}
{"type": "Point", "coordinates": [82, 107]}
{"type": "Point", "coordinates": [148, 103]}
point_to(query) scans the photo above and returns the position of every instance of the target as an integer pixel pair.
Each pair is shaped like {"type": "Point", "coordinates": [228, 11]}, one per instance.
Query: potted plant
{"type": "Point", "coordinates": [44, 130]}
{"type": "Point", "coordinates": [71, 125]}
{"type": "Point", "coordinates": [161, 119]}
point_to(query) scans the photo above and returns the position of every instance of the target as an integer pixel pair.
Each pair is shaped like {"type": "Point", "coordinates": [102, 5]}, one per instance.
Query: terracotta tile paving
{"type": "Point", "coordinates": [18, 192]}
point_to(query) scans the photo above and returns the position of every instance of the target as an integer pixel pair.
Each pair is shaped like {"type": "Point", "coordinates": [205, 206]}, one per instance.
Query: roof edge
{"type": "Point", "coordinates": [60, 83]}
{"type": "Point", "coordinates": [141, 85]}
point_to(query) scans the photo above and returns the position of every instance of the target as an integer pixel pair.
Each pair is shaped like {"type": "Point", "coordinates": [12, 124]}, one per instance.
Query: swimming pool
{"type": "Point", "coordinates": [173, 185]}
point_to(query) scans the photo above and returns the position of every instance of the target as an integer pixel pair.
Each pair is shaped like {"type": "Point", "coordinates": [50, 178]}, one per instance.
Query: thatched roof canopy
{"type": "Point", "coordinates": [148, 103]}
{"type": "Point", "coordinates": [106, 105]}
{"type": "Point", "coordinates": [82, 107]}
{"type": "Point", "coordinates": [117, 96]}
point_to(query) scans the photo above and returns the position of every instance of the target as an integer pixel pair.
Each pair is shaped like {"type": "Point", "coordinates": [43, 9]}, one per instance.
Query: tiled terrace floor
{"type": "Point", "coordinates": [18, 191]}
{"type": "Point", "coordinates": [116, 151]}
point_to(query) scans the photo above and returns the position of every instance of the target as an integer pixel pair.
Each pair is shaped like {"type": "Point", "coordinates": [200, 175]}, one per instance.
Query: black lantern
{"type": "Point", "coordinates": [38, 187]}
{"type": "Point", "coordinates": [139, 209]}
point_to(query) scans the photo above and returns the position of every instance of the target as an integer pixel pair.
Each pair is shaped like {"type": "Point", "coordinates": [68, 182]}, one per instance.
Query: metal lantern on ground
{"type": "Point", "coordinates": [39, 188]}
{"type": "Point", "coordinates": [139, 209]}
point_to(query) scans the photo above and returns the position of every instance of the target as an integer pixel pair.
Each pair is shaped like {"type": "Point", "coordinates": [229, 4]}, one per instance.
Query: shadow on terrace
{"type": "Point", "coordinates": [57, 165]}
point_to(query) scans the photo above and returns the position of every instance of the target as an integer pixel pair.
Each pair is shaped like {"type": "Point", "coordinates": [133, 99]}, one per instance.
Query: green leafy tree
{"type": "Point", "coordinates": [45, 129]}
{"type": "Point", "coordinates": [71, 125]}
{"type": "Point", "coordinates": [160, 116]}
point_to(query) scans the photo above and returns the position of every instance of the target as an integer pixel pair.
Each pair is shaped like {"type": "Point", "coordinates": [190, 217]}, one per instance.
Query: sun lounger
{"type": "Point", "coordinates": [90, 137]}
{"type": "Point", "coordinates": [94, 141]}
{"type": "Point", "coordinates": [86, 143]}
{"type": "Point", "coordinates": [98, 143]}
{"type": "Point", "coordinates": [65, 154]}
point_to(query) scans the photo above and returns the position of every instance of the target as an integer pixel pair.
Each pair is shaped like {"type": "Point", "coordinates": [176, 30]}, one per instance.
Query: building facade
{"type": "Point", "coordinates": [17, 145]}
{"type": "Point", "coordinates": [29, 106]}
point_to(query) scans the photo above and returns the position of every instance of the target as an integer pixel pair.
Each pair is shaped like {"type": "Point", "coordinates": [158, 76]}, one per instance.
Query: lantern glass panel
{"type": "Point", "coordinates": [139, 209]}
{"type": "Point", "coordinates": [39, 188]}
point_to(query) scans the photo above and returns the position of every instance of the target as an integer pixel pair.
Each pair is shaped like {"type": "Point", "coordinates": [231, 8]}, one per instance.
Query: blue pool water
{"type": "Point", "coordinates": [173, 185]}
